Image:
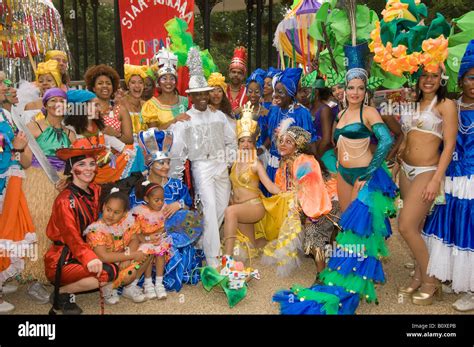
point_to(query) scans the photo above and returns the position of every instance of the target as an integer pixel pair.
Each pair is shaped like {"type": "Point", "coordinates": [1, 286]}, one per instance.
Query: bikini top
{"type": "Point", "coordinates": [243, 179]}
{"type": "Point", "coordinates": [427, 121]}
{"type": "Point", "coordinates": [356, 130]}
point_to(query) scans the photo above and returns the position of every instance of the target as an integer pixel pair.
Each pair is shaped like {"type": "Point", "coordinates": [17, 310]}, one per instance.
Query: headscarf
{"type": "Point", "coordinates": [53, 92]}
{"type": "Point", "coordinates": [132, 70]}
{"type": "Point", "coordinates": [54, 53]}
{"type": "Point", "coordinates": [467, 61]}
{"type": "Point", "coordinates": [216, 79]}
{"type": "Point", "coordinates": [79, 95]}
{"type": "Point", "coordinates": [290, 78]}
{"type": "Point", "coordinates": [49, 67]}
{"type": "Point", "coordinates": [259, 77]}
{"type": "Point", "coordinates": [357, 73]}
{"type": "Point", "coordinates": [49, 94]}
{"type": "Point", "coordinates": [271, 72]}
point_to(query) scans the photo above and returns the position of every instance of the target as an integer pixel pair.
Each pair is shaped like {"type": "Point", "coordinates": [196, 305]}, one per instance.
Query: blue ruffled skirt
{"type": "Point", "coordinates": [355, 265]}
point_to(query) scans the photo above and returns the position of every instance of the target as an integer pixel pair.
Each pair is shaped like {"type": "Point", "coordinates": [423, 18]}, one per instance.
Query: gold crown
{"type": "Point", "coordinates": [246, 126]}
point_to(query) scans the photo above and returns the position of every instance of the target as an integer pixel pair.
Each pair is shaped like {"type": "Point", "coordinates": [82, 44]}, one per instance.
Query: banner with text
{"type": "Point", "coordinates": [143, 31]}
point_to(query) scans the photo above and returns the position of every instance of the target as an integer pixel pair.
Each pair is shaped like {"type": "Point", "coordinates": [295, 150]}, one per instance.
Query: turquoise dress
{"type": "Point", "coordinates": [50, 140]}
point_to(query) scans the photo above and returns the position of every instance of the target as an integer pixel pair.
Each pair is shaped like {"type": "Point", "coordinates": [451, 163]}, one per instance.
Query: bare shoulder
{"type": "Point", "coordinates": [33, 127]}
{"type": "Point", "coordinates": [371, 110]}
{"type": "Point", "coordinates": [371, 115]}
{"type": "Point", "coordinates": [447, 105]}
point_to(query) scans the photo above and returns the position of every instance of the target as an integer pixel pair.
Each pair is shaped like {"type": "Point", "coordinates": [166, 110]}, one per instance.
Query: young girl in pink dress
{"type": "Point", "coordinates": [152, 236]}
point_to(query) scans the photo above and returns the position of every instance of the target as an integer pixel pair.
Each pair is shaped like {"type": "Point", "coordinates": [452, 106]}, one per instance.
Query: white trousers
{"type": "Point", "coordinates": [213, 188]}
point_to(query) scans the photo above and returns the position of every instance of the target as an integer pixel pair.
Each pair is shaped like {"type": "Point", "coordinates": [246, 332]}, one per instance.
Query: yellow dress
{"type": "Point", "coordinates": [137, 122]}
{"type": "Point", "coordinates": [154, 111]}
{"type": "Point", "coordinates": [276, 208]}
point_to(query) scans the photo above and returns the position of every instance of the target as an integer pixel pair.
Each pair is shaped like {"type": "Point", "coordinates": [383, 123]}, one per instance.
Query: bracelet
{"type": "Point", "coordinates": [14, 150]}
{"type": "Point", "coordinates": [181, 203]}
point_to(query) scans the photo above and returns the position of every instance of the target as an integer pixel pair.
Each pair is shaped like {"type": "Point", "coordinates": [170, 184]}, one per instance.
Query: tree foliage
{"type": "Point", "coordinates": [228, 29]}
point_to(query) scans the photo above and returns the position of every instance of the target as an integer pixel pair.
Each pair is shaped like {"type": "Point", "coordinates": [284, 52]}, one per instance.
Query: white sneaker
{"type": "Point", "coordinates": [134, 293]}
{"type": "Point", "coordinates": [149, 291]}
{"type": "Point", "coordinates": [465, 303]}
{"type": "Point", "coordinates": [9, 288]}
{"type": "Point", "coordinates": [160, 291]}
{"type": "Point", "coordinates": [6, 307]}
{"type": "Point", "coordinates": [111, 296]}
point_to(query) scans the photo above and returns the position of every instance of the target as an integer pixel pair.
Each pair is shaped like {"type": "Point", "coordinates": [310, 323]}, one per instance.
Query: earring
{"type": "Point", "coordinates": [344, 101]}
{"type": "Point", "coordinates": [366, 99]}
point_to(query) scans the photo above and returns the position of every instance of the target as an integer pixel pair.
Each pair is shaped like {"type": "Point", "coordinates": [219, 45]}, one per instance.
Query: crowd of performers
{"type": "Point", "coordinates": [155, 190]}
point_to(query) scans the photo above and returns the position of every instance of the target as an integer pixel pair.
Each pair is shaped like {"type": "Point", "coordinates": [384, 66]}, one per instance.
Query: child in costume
{"type": "Point", "coordinates": [152, 236]}
{"type": "Point", "coordinates": [182, 224]}
{"type": "Point", "coordinates": [114, 239]}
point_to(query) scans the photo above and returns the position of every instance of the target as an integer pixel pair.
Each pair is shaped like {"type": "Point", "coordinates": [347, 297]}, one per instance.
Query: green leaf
{"type": "Point", "coordinates": [466, 21]}
{"type": "Point", "coordinates": [388, 31]}
{"type": "Point", "coordinates": [340, 25]}
{"type": "Point", "coordinates": [374, 82]}
{"type": "Point", "coordinates": [295, 3]}
{"type": "Point", "coordinates": [373, 17]}
{"type": "Point", "coordinates": [438, 26]}
{"type": "Point", "coordinates": [315, 31]}
{"type": "Point", "coordinates": [416, 37]}
{"type": "Point", "coordinates": [323, 12]}
{"type": "Point", "coordinates": [460, 38]}
{"type": "Point", "coordinates": [389, 81]}
{"type": "Point", "coordinates": [362, 16]}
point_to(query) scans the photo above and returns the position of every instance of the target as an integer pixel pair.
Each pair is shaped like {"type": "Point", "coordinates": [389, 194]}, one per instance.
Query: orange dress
{"type": "Point", "coordinates": [152, 223]}
{"type": "Point", "coordinates": [16, 227]}
{"type": "Point", "coordinates": [115, 238]}
{"type": "Point", "coordinates": [118, 160]}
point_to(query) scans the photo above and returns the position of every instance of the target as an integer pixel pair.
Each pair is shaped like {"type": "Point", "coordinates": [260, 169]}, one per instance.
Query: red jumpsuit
{"type": "Point", "coordinates": [73, 210]}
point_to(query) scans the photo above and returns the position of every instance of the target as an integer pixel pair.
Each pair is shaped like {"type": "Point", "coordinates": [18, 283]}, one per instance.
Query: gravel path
{"type": "Point", "coordinates": [195, 300]}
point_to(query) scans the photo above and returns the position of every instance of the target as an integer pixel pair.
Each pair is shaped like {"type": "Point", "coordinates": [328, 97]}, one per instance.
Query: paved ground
{"type": "Point", "coordinates": [195, 300]}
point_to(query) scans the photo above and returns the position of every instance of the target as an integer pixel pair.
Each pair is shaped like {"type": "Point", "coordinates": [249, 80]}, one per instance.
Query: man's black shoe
{"type": "Point", "coordinates": [66, 304]}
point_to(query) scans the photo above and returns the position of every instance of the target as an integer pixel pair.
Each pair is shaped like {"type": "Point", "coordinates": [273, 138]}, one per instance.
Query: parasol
{"type": "Point", "coordinates": [291, 36]}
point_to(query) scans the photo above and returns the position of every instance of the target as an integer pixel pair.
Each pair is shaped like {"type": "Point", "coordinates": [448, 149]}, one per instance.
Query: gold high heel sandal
{"type": "Point", "coordinates": [424, 299]}
{"type": "Point", "coordinates": [408, 291]}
